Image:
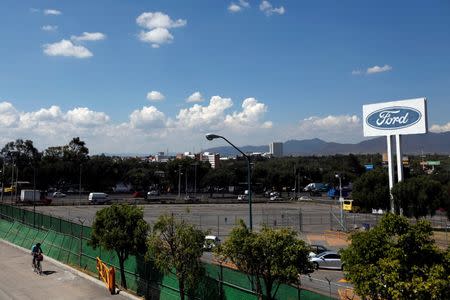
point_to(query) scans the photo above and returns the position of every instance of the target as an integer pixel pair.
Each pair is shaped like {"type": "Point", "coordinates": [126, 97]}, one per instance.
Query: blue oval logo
{"type": "Point", "coordinates": [395, 117]}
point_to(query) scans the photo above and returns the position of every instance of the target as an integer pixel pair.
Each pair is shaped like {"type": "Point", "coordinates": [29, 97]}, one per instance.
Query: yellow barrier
{"type": "Point", "coordinates": [108, 275]}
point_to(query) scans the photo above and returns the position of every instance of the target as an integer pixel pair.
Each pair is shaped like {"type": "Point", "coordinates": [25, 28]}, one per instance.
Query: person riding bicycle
{"type": "Point", "coordinates": [36, 250]}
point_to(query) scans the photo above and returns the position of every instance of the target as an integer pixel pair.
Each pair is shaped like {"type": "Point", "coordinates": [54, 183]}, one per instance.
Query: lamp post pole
{"type": "Point", "coordinates": [211, 137]}
{"type": "Point", "coordinates": [341, 200]}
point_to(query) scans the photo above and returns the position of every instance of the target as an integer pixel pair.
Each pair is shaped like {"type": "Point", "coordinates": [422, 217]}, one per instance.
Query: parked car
{"type": "Point", "coordinates": [316, 249]}
{"type": "Point", "coordinates": [152, 193]}
{"type": "Point", "coordinates": [58, 195]}
{"type": "Point", "coordinates": [242, 197]}
{"type": "Point", "coordinates": [211, 241]}
{"type": "Point", "coordinates": [327, 260]}
{"type": "Point", "coordinates": [276, 198]}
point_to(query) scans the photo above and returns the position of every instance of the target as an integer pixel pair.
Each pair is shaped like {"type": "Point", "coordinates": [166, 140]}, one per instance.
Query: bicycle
{"type": "Point", "coordinates": [37, 264]}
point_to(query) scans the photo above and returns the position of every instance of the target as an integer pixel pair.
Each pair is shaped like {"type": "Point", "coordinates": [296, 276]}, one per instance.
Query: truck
{"type": "Point", "coordinates": [30, 196]}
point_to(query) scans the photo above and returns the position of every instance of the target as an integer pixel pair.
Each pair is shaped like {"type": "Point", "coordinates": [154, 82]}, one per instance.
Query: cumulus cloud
{"type": "Point", "coordinates": [147, 117]}
{"type": "Point", "coordinates": [49, 28]}
{"type": "Point", "coordinates": [195, 97]}
{"type": "Point", "coordinates": [234, 8]}
{"type": "Point", "coordinates": [267, 8]}
{"type": "Point", "coordinates": [157, 25]}
{"type": "Point", "coordinates": [155, 96]}
{"type": "Point", "coordinates": [440, 128]}
{"type": "Point", "coordinates": [67, 48]}
{"type": "Point", "coordinates": [83, 116]}
{"type": "Point", "coordinates": [156, 37]}
{"type": "Point", "coordinates": [88, 36]}
{"type": "Point", "coordinates": [52, 12]}
{"type": "Point", "coordinates": [32, 119]}
{"type": "Point", "coordinates": [204, 116]}
{"type": "Point", "coordinates": [9, 115]}
{"type": "Point", "coordinates": [250, 116]}
{"type": "Point", "coordinates": [378, 69]}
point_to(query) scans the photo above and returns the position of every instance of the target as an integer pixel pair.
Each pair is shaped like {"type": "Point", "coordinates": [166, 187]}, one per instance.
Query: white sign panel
{"type": "Point", "coordinates": [396, 117]}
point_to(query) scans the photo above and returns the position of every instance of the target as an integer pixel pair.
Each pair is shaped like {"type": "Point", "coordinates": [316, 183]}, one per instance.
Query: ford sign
{"type": "Point", "coordinates": [393, 118]}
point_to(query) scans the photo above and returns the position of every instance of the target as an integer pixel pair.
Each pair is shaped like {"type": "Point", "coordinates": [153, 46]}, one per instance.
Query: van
{"type": "Point", "coordinates": [99, 198]}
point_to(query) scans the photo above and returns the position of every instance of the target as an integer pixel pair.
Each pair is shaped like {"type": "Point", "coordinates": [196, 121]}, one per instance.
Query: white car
{"type": "Point", "coordinates": [211, 241]}
{"type": "Point", "coordinates": [327, 260]}
{"type": "Point", "coordinates": [58, 195]}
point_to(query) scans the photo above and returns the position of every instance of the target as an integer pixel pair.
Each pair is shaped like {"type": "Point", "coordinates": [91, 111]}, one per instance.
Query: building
{"type": "Point", "coordinates": [276, 149]}
{"type": "Point", "coordinates": [212, 158]}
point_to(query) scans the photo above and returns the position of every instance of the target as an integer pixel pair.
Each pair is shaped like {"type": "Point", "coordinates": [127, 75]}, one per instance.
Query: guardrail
{"type": "Point", "coordinates": [107, 275]}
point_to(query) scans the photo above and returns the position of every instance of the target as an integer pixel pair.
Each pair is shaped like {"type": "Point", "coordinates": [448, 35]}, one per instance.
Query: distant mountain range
{"type": "Point", "coordinates": [431, 143]}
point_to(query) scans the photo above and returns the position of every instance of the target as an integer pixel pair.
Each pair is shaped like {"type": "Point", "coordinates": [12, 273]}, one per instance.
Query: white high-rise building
{"type": "Point", "coordinates": [276, 149]}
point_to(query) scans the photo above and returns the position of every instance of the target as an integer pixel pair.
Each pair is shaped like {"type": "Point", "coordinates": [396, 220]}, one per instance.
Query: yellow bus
{"type": "Point", "coordinates": [347, 205]}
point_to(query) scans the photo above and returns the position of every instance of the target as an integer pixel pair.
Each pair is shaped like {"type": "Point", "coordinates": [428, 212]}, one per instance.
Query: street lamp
{"type": "Point", "coordinates": [211, 137]}
{"type": "Point", "coordinates": [341, 200]}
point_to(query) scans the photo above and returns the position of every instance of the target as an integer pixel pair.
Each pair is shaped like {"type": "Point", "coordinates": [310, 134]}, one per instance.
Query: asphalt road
{"type": "Point", "coordinates": [18, 281]}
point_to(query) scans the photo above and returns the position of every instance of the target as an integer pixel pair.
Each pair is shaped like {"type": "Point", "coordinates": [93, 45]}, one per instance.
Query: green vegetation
{"type": "Point", "coordinates": [120, 228]}
{"type": "Point", "coordinates": [371, 190]}
{"type": "Point", "coordinates": [420, 196]}
{"type": "Point", "coordinates": [176, 247]}
{"type": "Point", "coordinates": [397, 260]}
{"type": "Point", "coordinates": [271, 256]}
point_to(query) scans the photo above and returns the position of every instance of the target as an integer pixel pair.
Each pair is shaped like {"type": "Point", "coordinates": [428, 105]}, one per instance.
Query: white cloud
{"type": "Point", "coordinates": [66, 48]}
{"type": "Point", "coordinates": [250, 116]}
{"type": "Point", "coordinates": [234, 8]}
{"type": "Point", "coordinates": [244, 3]}
{"type": "Point", "coordinates": [88, 36]}
{"type": "Point", "coordinates": [52, 12]}
{"type": "Point", "coordinates": [157, 25]}
{"type": "Point", "coordinates": [267, 8]}
{"type": "Point", "coordinates": [9, 115]}
{"type": "Point", "coordinates": [195, 97]}
{"type": "Point", "coordinates": [147, 117]}
{"type": "Point", "coordinates": [440, 128]}
{"type": "Point", "coordinates": [32, 119]}
{"type": "Point", "coordinates": [83, 116]}
{"type": "Point", "coordinates": [377, 69]}
{"type": "Point", "coordinates": [155, 96]}
{"type": "Point", "coordinates": [204, 116]}
{"type": "Point", "coordinates": [356, 72]}
{"type": "Point", "coordinates": [337, 128]}
{"type": "Point", "coordinates": [49, 28]}
{"type": "Point", "coordinates": [156, 37]}
{"type": "Point", "coordinates": [151, 20]}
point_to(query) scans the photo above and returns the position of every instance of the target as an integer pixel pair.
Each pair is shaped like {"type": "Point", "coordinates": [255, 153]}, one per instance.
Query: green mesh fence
{"type": "Point", "coordinates": [68, 242]}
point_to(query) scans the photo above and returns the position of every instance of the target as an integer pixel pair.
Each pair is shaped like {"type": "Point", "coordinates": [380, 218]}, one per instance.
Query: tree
{"type": "Point", "coordinates": [272, 256]}
{"type": "Point", "coordinates": [176, 247]}
{"type": "Point", "coordinates": [419, 196]}
{"type": "Point", "coordinates": [120, 228]}
{"type": "Point", "coordinates": [371, 190]}
{"type": "Point", "coordinates": [397, 260]}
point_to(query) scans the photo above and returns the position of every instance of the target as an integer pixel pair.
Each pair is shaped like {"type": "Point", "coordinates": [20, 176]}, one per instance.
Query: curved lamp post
{"type": "Point", "coordinates": [211, 137]}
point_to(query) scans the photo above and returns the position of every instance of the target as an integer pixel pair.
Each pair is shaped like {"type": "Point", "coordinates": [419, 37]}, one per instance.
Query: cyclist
{"type": "Point", "coordinates": [36, 250]}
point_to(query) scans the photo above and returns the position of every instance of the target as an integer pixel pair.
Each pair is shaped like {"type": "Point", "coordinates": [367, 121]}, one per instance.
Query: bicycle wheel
{"type": "Point", "coordinates": [39, 268]}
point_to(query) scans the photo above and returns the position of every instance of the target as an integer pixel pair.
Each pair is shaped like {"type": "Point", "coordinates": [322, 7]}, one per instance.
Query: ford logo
{"type": "Point", "coordinates": [395, 117]}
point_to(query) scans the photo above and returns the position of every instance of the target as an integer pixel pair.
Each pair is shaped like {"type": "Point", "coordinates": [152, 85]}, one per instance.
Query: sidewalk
{"type": "Point", "coordinates": [18, 281]}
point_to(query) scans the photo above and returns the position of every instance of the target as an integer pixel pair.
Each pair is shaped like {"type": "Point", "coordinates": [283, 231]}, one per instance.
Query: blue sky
{"type": "Point", "coordinates": [258, 71]}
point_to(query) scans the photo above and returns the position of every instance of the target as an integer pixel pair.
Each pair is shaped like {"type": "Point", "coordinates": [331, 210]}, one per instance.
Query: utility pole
{"type": "Point", "coordinates": [179, 181]}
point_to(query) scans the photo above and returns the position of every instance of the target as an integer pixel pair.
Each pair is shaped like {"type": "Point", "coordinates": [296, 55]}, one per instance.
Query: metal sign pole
{"type": "Point", "coordinates": [390, 170]}
{"type": "Point", "coordinates": [398, 143]}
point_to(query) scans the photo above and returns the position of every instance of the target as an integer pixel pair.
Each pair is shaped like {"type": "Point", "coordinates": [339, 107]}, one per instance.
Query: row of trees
{"type": "Point", "coordinates": [63, 167]}
{"type": "Point", "coordinates": [415, 196]}
{"type": "Point", "coordinates": [269, 257]}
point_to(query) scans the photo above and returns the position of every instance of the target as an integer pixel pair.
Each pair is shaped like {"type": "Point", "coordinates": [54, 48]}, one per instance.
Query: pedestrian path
{"type": "Point", "coordinates": [18, 281]}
